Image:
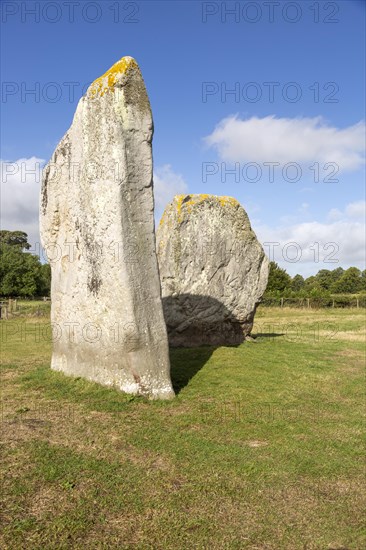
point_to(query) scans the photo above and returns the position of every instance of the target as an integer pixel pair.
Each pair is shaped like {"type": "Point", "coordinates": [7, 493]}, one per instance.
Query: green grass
{"type": "Point", "coordinates": [261, 448]}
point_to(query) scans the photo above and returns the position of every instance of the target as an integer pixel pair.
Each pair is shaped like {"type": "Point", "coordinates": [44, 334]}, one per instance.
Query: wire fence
{"type": "Point", "coordinates": [15, 307]}
{"type": "Point", "coordinates": [315, 302]}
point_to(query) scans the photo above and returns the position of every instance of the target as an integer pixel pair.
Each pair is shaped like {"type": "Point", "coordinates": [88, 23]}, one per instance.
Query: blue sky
{"type": "Point", "coordinates": [190, 53]}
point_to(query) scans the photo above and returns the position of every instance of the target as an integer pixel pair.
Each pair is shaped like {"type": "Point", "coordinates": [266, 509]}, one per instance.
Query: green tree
{"type": "Point", "coordinates": [349, 283]}
{"type": "Point", "coordinates": [21, 273]}
{"type": "Point", "coordinates": [14, 238]}
{"type": "Point", "coordinates": [278, 279]}
{"type": "Point", "coordinates": [44, 283]}
{"type": "Point", "coordinates": [337, 273]}
{"type": "Point", "coordinates": [324, 279]}
{"type": "Point", "coordinates": [363, 281]}
{"type": "Point", "coordinates": [310, 283]}
{"type": "Point", "coordinates": [297, 283]}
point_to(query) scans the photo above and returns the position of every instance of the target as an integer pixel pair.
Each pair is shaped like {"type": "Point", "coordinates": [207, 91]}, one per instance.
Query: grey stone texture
{"type": "Point", "coordinates": [213, 271]}
{"type": "Point", "coordinates": [96, 221]}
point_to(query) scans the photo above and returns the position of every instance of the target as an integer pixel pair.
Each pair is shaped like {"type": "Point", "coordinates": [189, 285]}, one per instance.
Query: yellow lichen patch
{"type": "Point", "coordinates": [228, 201]}
{"type": "Point", "coordinates": [197, 199]}
{"type": "Point", "coordinates": [108, 80]}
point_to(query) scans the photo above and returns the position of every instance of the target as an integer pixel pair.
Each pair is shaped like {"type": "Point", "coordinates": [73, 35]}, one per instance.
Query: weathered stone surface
{"type": "Point", "coordinates": [213, 270]}
{"type": "Point", "coordinates": [96, 219]}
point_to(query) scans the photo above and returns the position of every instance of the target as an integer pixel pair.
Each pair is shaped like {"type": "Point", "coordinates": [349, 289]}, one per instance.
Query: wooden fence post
{"type": "Point", "coordinates": [308, 301]}
{"type": "Point", "coordinates": [281, 302]}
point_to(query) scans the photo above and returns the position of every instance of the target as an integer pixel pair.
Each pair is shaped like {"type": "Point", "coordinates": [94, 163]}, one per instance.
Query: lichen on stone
{"type": "Point", "coordinates": [108, 80]}
{"type": "Point", "coordinates": [185, 203]}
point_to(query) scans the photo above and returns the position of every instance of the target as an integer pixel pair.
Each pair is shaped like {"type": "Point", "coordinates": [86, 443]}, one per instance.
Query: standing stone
{"type": "Point", "coordinates": [97, 226]}
{"type": "Point", "coordinates": [213, 270]}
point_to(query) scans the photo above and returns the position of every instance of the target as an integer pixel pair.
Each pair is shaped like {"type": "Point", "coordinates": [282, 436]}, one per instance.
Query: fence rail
{"type": "Point", "coordinates": [334, 301]}
{"type": "Point", "coordinates": [16, 307]}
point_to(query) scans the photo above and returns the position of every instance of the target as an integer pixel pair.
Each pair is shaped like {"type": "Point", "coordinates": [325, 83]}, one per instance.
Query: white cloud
{"type": "Point", "coordinates": [356, 210]}
{"type": "Point", "coordinates": [167, 184]}
{"type": "Point", "coordinates": [334, 214]}
{"type": "Point", "coordinates": [316, 245]}
{"type": "Point", "coordinates": [20, 185]}
{"type": "Point", "coordinates": [283, 140]}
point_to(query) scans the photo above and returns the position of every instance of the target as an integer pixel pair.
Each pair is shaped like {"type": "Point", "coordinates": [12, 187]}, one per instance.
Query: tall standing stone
{"type": "Point", "coordinates": [96, 219]}
{"type": "Point", "coordinates": [213, 270]}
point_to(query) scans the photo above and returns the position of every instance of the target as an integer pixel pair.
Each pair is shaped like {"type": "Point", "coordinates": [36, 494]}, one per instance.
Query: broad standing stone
{"type": "Point", "coordinates": [213, 270]}
{"type": "Point", "coordinates": [97, 225]}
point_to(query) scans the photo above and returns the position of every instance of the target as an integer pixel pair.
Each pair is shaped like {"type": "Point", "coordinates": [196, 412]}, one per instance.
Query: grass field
{"type": "Point", "coordinates": [261, 449]}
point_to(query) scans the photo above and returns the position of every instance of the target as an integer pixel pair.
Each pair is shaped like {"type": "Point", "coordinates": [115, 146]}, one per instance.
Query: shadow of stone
{"type": "Point", "coordinates": [198, 320]}
{"type": "Point", "coordinates": [185, 363]}
{"type": "Point", "coordinates": [267, 334]}
{"type": "Point", "coordinates": [197, 325]}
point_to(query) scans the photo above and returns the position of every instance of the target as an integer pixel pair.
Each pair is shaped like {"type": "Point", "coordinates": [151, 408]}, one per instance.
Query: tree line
{"type": "Point", "coordinates": [325, 283]}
